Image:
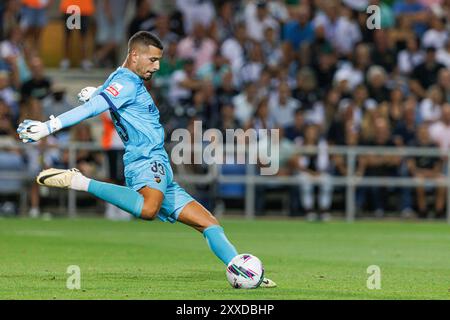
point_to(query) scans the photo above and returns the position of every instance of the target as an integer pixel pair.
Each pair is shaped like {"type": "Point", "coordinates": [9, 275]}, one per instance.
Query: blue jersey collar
{"type": "Point", "coordinates": [134, 75]}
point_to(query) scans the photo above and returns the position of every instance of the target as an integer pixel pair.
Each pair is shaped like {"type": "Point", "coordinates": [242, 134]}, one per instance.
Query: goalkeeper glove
{"type": "Point", "coordinates": [32, 131]}
{"type": "Point", "coordinates": [86, 94]}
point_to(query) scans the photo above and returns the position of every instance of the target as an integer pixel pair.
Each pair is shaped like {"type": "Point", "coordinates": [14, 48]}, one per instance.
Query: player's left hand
{"type": "Point", "coordinates": [32, 131]}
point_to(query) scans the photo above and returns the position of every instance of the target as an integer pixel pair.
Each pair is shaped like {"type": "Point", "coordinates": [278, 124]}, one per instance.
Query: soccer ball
{"type": "Point", "coordinates": [245, 271]}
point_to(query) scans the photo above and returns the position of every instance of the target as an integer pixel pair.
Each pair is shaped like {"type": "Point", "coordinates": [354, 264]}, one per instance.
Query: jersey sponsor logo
{"type": "Point", "coordinates": [114, 88]}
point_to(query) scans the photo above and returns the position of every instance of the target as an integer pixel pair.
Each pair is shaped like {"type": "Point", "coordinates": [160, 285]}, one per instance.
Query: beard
{"type": "Point", "coordinates": [147, 78]}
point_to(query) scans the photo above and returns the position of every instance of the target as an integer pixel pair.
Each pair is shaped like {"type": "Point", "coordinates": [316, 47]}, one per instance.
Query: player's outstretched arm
{"type": "Point", "coordinates": [32, 131]}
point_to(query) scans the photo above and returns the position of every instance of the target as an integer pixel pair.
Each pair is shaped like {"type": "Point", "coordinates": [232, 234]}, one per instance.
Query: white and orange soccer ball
{"type": "Point", "coordinates": [245, 271]}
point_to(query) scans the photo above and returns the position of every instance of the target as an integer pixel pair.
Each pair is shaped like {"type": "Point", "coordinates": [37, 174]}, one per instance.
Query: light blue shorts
{"type": "Point", "coordinates": [157, 174]}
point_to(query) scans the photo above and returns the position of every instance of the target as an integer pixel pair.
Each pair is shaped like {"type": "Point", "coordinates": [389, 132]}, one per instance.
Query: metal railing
{"type": "Point", "coordinates": [351, 181]}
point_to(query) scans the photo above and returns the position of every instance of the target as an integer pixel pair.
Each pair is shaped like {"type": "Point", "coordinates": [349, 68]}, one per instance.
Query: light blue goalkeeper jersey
{"type": "Point", "coordinates": [135, 116]}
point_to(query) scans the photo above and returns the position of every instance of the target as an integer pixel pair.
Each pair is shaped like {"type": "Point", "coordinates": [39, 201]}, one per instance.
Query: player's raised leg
{"type": "Point", "coordinates": [199, 218]}
{"type": "Point", "coordinates": [144, 204]}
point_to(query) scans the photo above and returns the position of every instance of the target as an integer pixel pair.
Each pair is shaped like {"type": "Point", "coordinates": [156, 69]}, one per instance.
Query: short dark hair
{"type": "Point", "coordinates": [144, 38]}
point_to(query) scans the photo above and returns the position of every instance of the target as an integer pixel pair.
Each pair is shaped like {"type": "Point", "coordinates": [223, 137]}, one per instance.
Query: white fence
{"type": "Point", "coordinates": [250, 179]}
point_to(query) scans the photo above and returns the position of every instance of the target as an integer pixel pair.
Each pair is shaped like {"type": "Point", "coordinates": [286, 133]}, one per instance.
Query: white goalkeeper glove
{"type": "Point", "coordinates": [86, 94]}
{"type": "Point", "coordinates": [32, 131]}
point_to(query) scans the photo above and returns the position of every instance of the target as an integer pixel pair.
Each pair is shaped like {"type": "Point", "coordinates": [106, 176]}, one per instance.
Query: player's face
{"type": "Point", "coordinates": [148, 62]}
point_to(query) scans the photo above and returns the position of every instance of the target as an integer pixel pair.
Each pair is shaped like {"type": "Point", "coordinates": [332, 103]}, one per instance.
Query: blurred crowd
{"type": "Point", "coordinates": [314, 69]}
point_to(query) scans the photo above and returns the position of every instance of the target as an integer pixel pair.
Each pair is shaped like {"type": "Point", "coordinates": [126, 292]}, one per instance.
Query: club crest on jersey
{"type": "Point", "coordinates": [157, 178]}
{"type": "Point", "coordinates": [114, 88]}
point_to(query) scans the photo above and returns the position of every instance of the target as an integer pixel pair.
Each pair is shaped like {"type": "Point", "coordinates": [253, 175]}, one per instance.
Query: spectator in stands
{"type": "Point", "coordinates": [427, 167]}
{"type": "Point", "coordinates": [144, 19]}
{"type": "Point", "coordinates": [110, 31]}
{"type": "Point", "coordinates": [349, 75]}
{"type": "Point", "coordinates": [324, 69]}
{"type": "Point", "coordinates": [341, 119]}
{"type": "Point", "coordinates": [34, 19]}
{"type": "Point", "coordinates": [414, 11]}
{"type": "Point", "coordinates": [404, 132]}
{"type": "Point", "coordinates": [278, 10]}
{"type": "Point", "coordinates": [339, 161]}
{"type": "Point", "coordinates": [377, 84]}
{"type": "Point", "coordinates": [163, 32]}
{"type": "Point", "coordinates": [224, 25]}
{"type": "Point", "coordinates": [327, 19]}
{"type": "Point", "coordinates": [204, 105]}
{"type": "Point", "coordinates": [437, 36]}
{"type": "Point", "coordinates": [384, 54]}
{"type": "Point", "coordinates": [444, 83]}
{"type": "Point", "coordinates": [377, 165]}
{"type": "Point", "coordinates": [330, 107]}
{"type": "Point", "coordinates": [87, 9]}
{"type": "Point", "coordinates": [245, 103]}
{"type": "Point", "coordinates": [347, 33]}
{"type": "Point", "coordinates": [39, 86]}
{"type": "Point", "coordinates": [253, 66]}
{"type": "Point", "coordinates": [257, 18]}
{"type": "Point", "coordinates": [235, 50]}
{"type": "Point", "coordinates": [295, 132]}
{"type": "Point", "coordinates": [8, 95]}
{"type": "Point", "coordinates": [7, 122]}
{"type": "Point", "coordinates": [227, 90]}
{"type": "Point", "coordinates": [443, 55]}
{"type": "Point", "coordinates": [11, 50]}
{"type": "Point", "coordinates": [299, 30]}
{"type": "Point", "coordinates": [402, 31]}
{"type": "Point", "coordinates": [306, 91]}
{"type": "Point", "coordinates": [269, 81]}
{"type": "Point", "coordinates": [359, 105]}
{"type": "Point", "coordinates": [227, 119]}
{"type": "Point", "coordinates": [262, 119]}
{"type": "Point", "coordinates": [440, 130]}
{"type": "Point", "coordinates": [425, 74]}
{"type": "Point", "coordinates": [393, 108]}
{"type": "Point", "coordinates": [430, 107]}
{"type": "Point", "coordinates": [315, 166]}
{"type": "Point", "coordinates": [197, 46]}
{"type": "Point", "coordinates": [282, 106]}
{"type": "Point", "coordinates": [410, 57]}
{"type": "Point", "coordinates": [183, 83]}
{"type": "Point", "coordinates": [215, 70]}
{"type": "Point", "coordinates": [270, 46]}
{"type": "Point", "coordinates": [196, 12]}
{"type": "Point", "coordinates": [168, 65]}
{"type": "Point", "coordinates": [10, 17]}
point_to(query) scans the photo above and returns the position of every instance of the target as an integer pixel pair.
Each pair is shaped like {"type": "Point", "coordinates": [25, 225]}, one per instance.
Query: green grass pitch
{"type": "Point", "coordinates": [154, 260]}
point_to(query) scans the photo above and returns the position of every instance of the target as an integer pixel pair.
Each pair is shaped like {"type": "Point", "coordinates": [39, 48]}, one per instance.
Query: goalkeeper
{"type": "Point", "coordinates": [151, 190]}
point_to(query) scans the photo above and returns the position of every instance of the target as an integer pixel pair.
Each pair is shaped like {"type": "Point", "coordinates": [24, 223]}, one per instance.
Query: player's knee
{"type": "Point", "coordinates": [150, 210]}
{"type": "Point", "coordinates": [212, 221]}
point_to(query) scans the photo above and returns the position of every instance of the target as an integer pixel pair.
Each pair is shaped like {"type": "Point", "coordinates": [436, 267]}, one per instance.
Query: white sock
{"type": "Point", "coordinates": [80, 182]}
